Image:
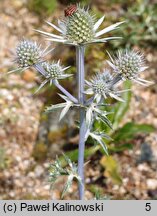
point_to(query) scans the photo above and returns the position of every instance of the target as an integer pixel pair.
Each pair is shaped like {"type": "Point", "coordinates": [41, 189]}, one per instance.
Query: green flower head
{"type": "Point", "coordinates": [79, 27]}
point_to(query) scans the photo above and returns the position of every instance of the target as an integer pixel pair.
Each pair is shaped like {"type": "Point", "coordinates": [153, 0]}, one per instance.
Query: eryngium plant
{"type": "Point", "coordinates": [80, 28]}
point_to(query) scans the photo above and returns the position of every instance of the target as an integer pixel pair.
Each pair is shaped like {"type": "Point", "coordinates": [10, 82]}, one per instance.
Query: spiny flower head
{"type": "Point", "coordinates": [28, 54]}
{"type": "Point", "coordinates": [54, 70]}
{"type": "Point", "coordinates": [101, 83]}
{"type": "Point", "coordinates": [79, 27]}
{"type": "Point", "coordinates": [129, 64]}
{"type": "Point", "coordinates": [51, 72]}
{"type": "Point", "coordinates": [101, 86]}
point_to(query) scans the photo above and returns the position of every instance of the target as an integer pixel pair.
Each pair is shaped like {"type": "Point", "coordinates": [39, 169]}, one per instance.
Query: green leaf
{"type": "Point", "coordinates": [130, 130]}
{"type": "Point", "coordinates": [73, 155]}
{"type": "Point", "coordinates": [120, 148]}
{"type": "Point", "coordinates": [111, 169]}
{"type": "Point", "coordinates": [42, 7]}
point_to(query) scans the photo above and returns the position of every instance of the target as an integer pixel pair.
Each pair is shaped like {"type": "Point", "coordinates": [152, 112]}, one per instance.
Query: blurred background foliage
{"type": "Point", "coordinates": [141, 26]}
{"type": "Point", "coordinates": [41, 7]}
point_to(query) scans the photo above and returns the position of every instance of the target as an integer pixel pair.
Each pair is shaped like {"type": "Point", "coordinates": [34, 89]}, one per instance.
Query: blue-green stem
{"type": "Point", "coordinates": [81, 81]}
{"type": "Point", "coordinates": [63, 90]}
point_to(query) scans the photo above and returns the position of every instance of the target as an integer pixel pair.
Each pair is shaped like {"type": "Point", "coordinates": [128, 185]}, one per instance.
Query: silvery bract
{"type": "Point", "coordinates": [79, 27]}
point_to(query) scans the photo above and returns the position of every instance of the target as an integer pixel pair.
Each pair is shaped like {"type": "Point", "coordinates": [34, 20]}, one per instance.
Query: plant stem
{"type": "Point", "coordinates": [40, 69]}
{"type": "Point", "coordinates": [63, 90]}
{"type": "Point", "coordinates": [81, 99]}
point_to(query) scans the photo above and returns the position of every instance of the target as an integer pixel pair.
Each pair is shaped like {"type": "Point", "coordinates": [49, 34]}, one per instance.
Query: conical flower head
{"type": "Point", "coordinates": [129, 64]}
{"type": "Point", "coordinates": [79, 26]}
{"type": "Point", "coordinates": [101, 86]}
{"type": "Point", "coordinates": [101, 83]}
{"type": "Point", "coordinates": [28, 53]}
{"type": "Point", "coordinates": [53, 70]}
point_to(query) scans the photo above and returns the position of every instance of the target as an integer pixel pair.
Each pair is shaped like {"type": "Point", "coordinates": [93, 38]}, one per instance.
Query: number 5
{"type": "Point", "coordinates": [148, 207]}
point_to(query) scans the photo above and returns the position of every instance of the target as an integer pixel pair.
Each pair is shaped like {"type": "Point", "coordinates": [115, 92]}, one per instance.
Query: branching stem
{"type": "Point", "coordinates": [41, 70]}
{"type": "Point", "coordinates": [63, 90]}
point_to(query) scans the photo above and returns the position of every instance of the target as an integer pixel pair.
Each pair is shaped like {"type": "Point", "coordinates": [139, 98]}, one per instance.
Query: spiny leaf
{"type": "Point", "coordinates": [65, 110]}
{"type": "Point", "coordinates": [105, 120]}
{"type": "Point", "coordinates": [57, 170]}
{"type": "Point", "coordinates": [68, 160]}
{"type": "Point", "coordinates": [55, 107]}
{"type": "Point", "coordinates": [99, 139]}
{"type": "Point", "coordinates": [64, 97]}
